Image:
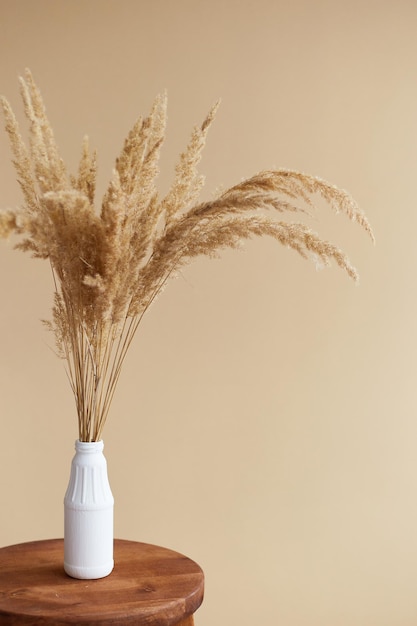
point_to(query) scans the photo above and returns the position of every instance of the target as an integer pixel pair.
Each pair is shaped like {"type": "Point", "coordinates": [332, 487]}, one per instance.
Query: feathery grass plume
{"type": "Point", "coordinates": [109, 264]}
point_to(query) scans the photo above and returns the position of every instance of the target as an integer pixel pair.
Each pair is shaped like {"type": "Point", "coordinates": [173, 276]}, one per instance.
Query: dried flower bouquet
{"type": "Point", "coordinates": [109, 266]}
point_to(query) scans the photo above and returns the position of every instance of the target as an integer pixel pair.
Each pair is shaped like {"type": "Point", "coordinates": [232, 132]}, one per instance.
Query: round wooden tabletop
{"type": "Point", "coordinates": [149, 585]}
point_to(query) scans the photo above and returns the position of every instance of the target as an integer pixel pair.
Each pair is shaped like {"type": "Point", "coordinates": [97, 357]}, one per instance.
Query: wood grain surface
{"type": "Point", "coordinates": [149, 585]}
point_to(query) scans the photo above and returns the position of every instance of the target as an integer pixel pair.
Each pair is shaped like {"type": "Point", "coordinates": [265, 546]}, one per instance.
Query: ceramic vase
{"type": "Point", "coordinates": [88, 514]}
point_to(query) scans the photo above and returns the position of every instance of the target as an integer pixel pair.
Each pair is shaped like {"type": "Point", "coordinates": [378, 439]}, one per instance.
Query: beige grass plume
{"type": "Point", "coordinates": [109, 265]}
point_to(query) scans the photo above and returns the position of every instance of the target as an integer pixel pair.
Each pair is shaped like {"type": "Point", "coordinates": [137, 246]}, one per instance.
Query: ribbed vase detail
{"type": "Point", "coordinates": [88, 519]}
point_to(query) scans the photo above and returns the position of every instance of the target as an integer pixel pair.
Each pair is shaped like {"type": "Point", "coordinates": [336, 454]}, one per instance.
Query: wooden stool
{"type": "Point", "coordinates": [149, 585]}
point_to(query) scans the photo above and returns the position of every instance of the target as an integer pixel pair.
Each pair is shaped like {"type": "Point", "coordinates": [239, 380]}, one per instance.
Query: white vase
{"type": "Point", "coordinates": [88, 520]}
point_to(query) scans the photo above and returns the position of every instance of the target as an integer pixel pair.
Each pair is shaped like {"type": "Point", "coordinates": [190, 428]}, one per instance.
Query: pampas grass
{"type": "Point", "coordinates": [109, 265]}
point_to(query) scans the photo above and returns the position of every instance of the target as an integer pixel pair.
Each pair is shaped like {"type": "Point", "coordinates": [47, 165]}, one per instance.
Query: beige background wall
{"type": "Point", "coordinates": [265, 423]}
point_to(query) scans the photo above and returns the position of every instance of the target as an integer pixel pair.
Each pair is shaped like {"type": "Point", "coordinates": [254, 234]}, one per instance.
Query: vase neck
{"type": "Point", "coordinates": [89, 447]}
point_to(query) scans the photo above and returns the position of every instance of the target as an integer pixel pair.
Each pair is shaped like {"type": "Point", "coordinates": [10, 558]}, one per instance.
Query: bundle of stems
{"type": "Point", "coordinates": [109, 265]}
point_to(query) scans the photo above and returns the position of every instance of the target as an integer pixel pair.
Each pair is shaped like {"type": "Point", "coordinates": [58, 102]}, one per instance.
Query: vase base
{"type": "Point", "coordinates": [88, 573]}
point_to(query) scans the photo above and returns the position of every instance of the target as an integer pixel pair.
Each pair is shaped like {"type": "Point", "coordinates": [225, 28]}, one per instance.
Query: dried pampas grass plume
{"type": "Point", "coordinates": [109, 265]}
